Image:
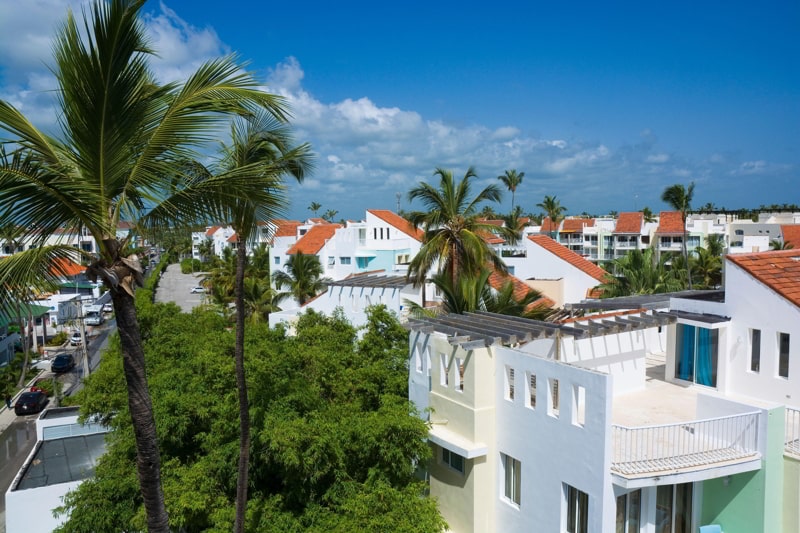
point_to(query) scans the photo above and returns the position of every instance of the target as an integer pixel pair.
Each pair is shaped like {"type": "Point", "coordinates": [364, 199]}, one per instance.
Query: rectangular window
{"type": "Point", "coordinates": [375, 233]}
{"type": "Point", "coordinates": [459, 374]}
{"type": "Point", "coordinates": [755, 350]}
{"type": "Point", "coordinates": [783, 355]}
{"type": "Point", "coordinates": [453, 460]}
{"type": "Point", "coordinates": [552, 407]}
{"type": "Point", "coordinates": [696, 354]}
{"type": "Point", "coordinates": [277, 260]}
{"type": "Point", "coordinates": [331, 260]}
{"type": "Point", "coordinates": [578, 405]}
{"type": "Point", "coordinates": [629, 512]}
{"type": "Point", "coordinates": [513, 478]}
{"type": "Point", "coordinates": [577, 510]}
{"type": "Point", "coordinates": [531, 381]}
{"type": "Point", "coordinates": [444, 379]}
{"type": "Point", "coordinates": [509, 383]}
{"type": "Point", "coordinates": [344, 260]}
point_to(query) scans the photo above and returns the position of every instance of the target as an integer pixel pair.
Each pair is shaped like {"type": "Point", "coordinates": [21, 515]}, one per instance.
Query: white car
{"type": "Point", "coordinates": [75, 338]}
{"type": "Point", "coordinates": [108, 308]}
{"type": "Point", "coordinates": [196, 290]}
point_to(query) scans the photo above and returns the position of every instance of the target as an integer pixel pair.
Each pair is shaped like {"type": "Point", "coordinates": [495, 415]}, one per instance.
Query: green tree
{"type": "Point", "coordinates": [515, 223]}
{"type": "Point", "coordinates": [334, 438]}
{"type": "Point", "coordinates": [680, 199]}
{"type": "Point", "coordinates": [776, 244]}
{"type": "Point", "coordinates": [330, 214]}
{"type": "Point", "coordinates": [641, 272]}
{"type": "Point", "coordinates": [648, 215]}
{"type": "Point", "coordinates": [314, 207]}
{"type": "Point", "coordinates": [512, 179]}
{"type": "Point", "coordinates": [123, 153]}
{"type": "Point", "coordinates": [706, 268]}
{"type": "Point", "coordinates": [715, 244]}
{"type": "Point", "coordinates": [261, 153]}
{"type": "Point", "coordinates": [303, 278]}
{"type": "Point", "coordinates": [553, 209]}
{"type": "Point", "coordinates": [453, 230]}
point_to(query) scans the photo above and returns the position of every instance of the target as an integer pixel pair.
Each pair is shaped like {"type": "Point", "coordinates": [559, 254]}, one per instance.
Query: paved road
{"type": "Point", "coordinates": [176, 287]}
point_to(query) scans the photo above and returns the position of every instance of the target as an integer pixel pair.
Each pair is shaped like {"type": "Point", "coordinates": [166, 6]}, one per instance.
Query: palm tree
{"type": "Point", "coordinates": [707, 268]}
{"type": "Point", "coordinates": [776, 244]}
{"type": "Point", "coordinates": [648, 215]}
{"type": "Point", "coordinates": [124, 152]}
{"type": "Point", "coordinates": [641, 272]}
{"type": "Point", "coordinates": [453, 229]}
{"type": "Point", "coordinates": [260, 153]}
{"type": "Point", "coordinates": [314, 207]}
{"type": "Point", "coordinates": [553, 209]}
{"type": "Point", "coordinates": [303, 277]}
{"type": "Point", "coordinates": [330, 214]}
{"type": "Point", "coordinates": [259, 300]}
{"type": "Point", "coordinates": [514, 221]}
{"type": "Point", "coordinates": [680, 199]}
{"type": "Point", "coordinates": [512, 179]}
{"type": "Point", "coordinates": [715, 244]}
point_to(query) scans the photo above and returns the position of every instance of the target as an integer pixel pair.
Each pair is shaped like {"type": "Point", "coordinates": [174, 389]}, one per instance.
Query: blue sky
{"type": "Point", "coordinates": [602, 104]}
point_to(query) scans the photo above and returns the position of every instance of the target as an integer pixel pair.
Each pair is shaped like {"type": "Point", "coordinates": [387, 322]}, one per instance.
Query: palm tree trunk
{"type": "Point", "coordinates": [241, 383]}
{"type": "Point", "coordinates": [148, 462]}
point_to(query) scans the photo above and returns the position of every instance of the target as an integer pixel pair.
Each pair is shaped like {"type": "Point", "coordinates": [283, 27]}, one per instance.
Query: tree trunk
{"type": "Point", "coordinates": [148, 462]}
{"type": "Point", "coordinates": [241, 384]}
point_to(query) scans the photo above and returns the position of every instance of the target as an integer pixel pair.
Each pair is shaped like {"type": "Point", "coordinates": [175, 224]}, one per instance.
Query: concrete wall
{"type": "Point", "coordinates": [29, 511]}
{"type": "Point", "coordinates": [791, 494]}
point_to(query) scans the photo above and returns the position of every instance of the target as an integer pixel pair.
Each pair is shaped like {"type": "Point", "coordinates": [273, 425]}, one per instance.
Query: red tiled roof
{"type": "Point", "coordinates": [313, 241]}
{"type": "Point", "coordinates": [318, 220]}
{"type": "Point", "coordinates": [778, 269]}
{"type": "Point", "coordinates": [610, 314]}
{"type": "Point", "coordinates": [576, 225]}
{"type": "Point", "coordinates": [286, 228]}
{"type": "Point", "coordinates": [629, 223]}
{"type": "Point", "coordinates": [124, 224]}
{"type": "Point", "coordinates": [65, 267]}
{"type": "Point", "coordinates": [498, 280]}
{"type": "Point", "coordinates": [492, 222]}
{"type": "Point", "coordinates": [670, 222]}
{"type": "Point", "coordinates": [398, 222]}
{"type": "Point", "coordinates": [548, 226]}
{"type": "Point", "coordinates": [791, 234]}
{"type": "Point", "coordinates": [233, 238]}
{"type": "Point", "coordinates": [490, 238]}
{"type": "Point", "coordinates": [565, 254]}
{"type": "Point", "coordinates": [211, 231]}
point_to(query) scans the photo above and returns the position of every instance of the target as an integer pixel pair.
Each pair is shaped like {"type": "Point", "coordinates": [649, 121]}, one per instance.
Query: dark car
{"type": "Point", "coordinates": [30, 403]}
{"type": "Point", "coordinates": [63, 362]}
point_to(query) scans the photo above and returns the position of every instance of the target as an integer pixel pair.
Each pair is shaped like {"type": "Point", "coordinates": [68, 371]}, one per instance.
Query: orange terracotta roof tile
{"type": "Point", "coordinates": [314, 239]}
{"type": "Point", "coordinates": [576, 225]}
{"type": "Point", "coordinates": [65, 267]}
{"type": "Point", "coordinates": [318, 220]}
{"type": "Point", "coordinates": [286, 228]}
{"type": "Point", "coordinates": [778, 269]}
{"type": "Point", "coordinates": [492, 222]}
{"type": "Point", "coordinates": [629, 223]}
{"type": "Point", "coordinates": [600, 316]}
{"type": "Point", "coordinates": [670, 222]}
{"type": "Point", "coordinates": [543, 302]}
{"type": "Point", "coordinates": [233, 238]}
{"type": "Point", "coordinates": [569, 256]}
{"type": "Point", "coordinates": [398, 222]}
{"type": "Point", "coordinates": [791, 234]}
{"type": "Point", "coordinates": [548, 226]}
{"type": "Point", "coordinates": [211, 231]}
{"type": "Point", "coordinates": [497, 280]}
{"type": "Point", "coordinates": [490, 238]}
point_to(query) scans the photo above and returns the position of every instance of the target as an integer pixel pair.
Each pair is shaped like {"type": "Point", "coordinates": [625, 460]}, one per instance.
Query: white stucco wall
{"type": "Point", "coordinates": [542, 264]}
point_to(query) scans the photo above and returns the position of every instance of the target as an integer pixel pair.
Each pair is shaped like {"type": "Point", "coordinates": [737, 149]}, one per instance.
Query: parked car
{"type": "Point", "coordinates": [30, 403]}
{"type": "Point", "coordinates": [196, 290]}
{"type": "Point", "coordinates": [75, 338]}
{"type": "Point", "coordinates": [108, 308]}
{"type": "Point", "coordinates": [63, 362]}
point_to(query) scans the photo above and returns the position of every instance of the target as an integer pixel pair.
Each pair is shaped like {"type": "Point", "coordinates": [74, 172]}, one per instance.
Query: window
{"type": "Point", "coordinates": [755, 350]}
{"type": "Point", "coordinates": [674, 508]}
{"type": "Point", "coordinates": [509, 383]}
{"type": "Point", "coordinates": [578, 405]}
{"type": "Point", "coordinates": [460, 375]}
{"type": "Point", "coordinates": [783, 355]}
{"type": "Point", "coordinates": [697, 354]}
{"type": "Point", "coordinates": [629, 511]}
{"type": "Point", "coordinates": [577, 510]}
{"type": "Point", "coordinates": [739, 232]}
{"type": "Point", "coordinates": [513, 478]}
{"type": "Point", "coordinates": [331, 261]}
{"type": "Point", "coordinates": [444, 379]}
{"type": "Point", "coordinates": [375, 233]}
{"type": "Point", "coordinates": [453, 460]}
{"type": "Point", "coordinates": [552, 407]}
{"type": "Point", "coordinates": [531, 382]}
{"type": "Point", "coordinates": [277, 260]}
{"type": "Point", "coordinates": [344, 260]}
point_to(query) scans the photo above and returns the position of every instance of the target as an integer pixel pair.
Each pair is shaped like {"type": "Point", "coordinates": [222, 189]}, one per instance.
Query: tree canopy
{"type": "Point", "coordinates": [335, 440]}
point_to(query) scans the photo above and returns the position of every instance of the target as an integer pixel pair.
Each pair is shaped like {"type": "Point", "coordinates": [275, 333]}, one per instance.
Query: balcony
{"type": "Point", "coordinates": [684, 446]}
{"type": "Point", "coordinates": [792, 440]}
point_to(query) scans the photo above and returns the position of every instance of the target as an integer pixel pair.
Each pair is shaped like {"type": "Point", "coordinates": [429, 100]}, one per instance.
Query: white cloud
{"type": "Point", "coordinates": [657, 158]}
{"type": "Point", "coordinates": [752, 167]}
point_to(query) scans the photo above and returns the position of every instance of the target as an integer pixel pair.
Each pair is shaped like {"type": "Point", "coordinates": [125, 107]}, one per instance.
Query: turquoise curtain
{"type": "Point", "coordinates": [706, 357]}
{"type": "Point", "coordinates": [686, 345]}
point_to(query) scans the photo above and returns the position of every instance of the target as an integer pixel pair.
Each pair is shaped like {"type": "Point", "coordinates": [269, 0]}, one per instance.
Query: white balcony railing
{"type": "Point", "coordinates": [792, 440]}
{"type": "Point", "coordinates": [684, 445]}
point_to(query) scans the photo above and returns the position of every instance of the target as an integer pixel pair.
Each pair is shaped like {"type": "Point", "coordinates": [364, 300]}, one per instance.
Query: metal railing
{"type": "Point", "coordinates": [792, 432]}
{"type": "Point", "coordinates": [684, 445]}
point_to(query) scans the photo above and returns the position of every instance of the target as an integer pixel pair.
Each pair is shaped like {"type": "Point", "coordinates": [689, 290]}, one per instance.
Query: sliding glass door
{"type": "Point", "coordinates": [696, 354]}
